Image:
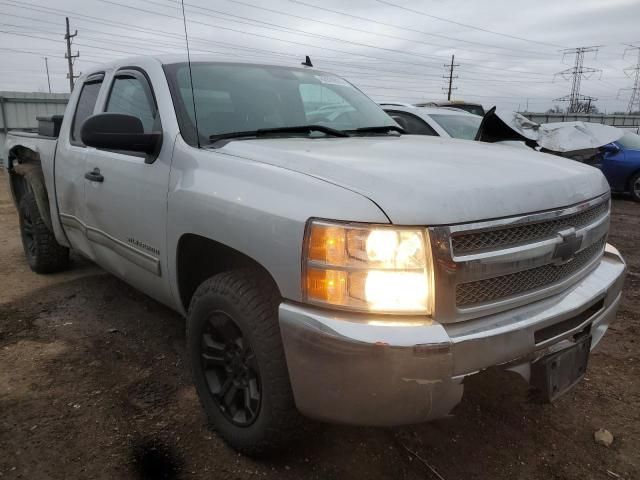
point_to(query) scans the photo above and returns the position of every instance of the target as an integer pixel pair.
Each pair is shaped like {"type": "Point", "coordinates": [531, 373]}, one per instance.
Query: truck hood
{"type": "Point", "coordinates": [421, 180]}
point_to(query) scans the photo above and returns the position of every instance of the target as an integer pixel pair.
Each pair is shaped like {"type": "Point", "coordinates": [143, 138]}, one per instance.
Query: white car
{"type": "Point", "coordinates": [435, 121]}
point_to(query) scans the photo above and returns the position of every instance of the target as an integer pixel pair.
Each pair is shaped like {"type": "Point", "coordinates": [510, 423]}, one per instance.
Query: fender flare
{"type": "Point", "coordinates": [33, 176]}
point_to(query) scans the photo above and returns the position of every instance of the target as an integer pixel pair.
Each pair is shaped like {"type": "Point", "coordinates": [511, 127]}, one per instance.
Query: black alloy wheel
{"type": "Point", "coordinates": [231, 370]}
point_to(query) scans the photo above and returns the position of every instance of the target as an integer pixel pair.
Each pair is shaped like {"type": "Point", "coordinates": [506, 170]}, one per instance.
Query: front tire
{"type": "Point", "coordinates": [238, 361]}
{"type": "Point", "coordinates": [634, 187]}
{"type": "Point", "coordinates": [44, 254]}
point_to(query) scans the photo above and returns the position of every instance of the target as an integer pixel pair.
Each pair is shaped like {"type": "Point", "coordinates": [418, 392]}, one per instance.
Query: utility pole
{"type": "Point", "coordinates": [451, 76]}
{"type": "Point", "coordinates": [634, 74]}
{"type": "Point", "coordinates": [576, 73]}
{"type": "Point", "coordinates": [70, 58]}
{"type": "Point", "coordinates": [46, 65]}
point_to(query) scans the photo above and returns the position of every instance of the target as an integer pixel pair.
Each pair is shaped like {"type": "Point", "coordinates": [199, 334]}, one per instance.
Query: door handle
{"type": "Point", "coordinates": [94, 175]}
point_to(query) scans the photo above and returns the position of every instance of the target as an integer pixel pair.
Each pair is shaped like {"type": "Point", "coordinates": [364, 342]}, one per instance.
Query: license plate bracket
{"type": "Point", "coordinates": [556, 373]}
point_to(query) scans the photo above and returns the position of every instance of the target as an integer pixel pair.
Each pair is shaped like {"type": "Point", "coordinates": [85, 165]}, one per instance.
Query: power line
{"type": "Point", "coordinates": [259, 52]}
{"type": "Point", "coordinates": [321, 47]}
{"type": "Point", "coordinates": [24, 32]}
{"type": "Point", "coordinates": [119, 25]}
{"type": "Point", "coordinates": [379, 34]}
{"type": "Point", "coordinates": [392, 60]}
{"type": "Point", "coordinates": [279, 28]}
{"type": "Point", "coordinates": [138, 40]}
{"type": "Point", "coordinates": [130, 27]}
{"type": "Point", "coordinates": [164, 34]}
{"type": "Point", "coordinates": [341, 64]}
{"type": "Point", "coordinates": [363, 66]}
{"type": "Point", "coordinates": [80, 44]}
{"type": "Point", "coordinates": [273, 26]}
{"type": "Point", "coordinates": [473, 27]}
{"type": "Point", "coordinates": [337, 12]}
{"type": "Point", "coordinates": [576, 73]}
{"type": "Point", "coordinates": [28, 52]}
{"type": "Point", "coordinates": [89, 37]}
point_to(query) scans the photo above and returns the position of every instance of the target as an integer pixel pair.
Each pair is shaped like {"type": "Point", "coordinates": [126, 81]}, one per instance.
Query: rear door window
{"type": "Point", "coordinates": [84, 108]}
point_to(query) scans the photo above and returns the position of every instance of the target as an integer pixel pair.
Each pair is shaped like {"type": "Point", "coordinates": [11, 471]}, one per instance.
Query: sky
{"type": "Point", "coordinates": [507, 51]}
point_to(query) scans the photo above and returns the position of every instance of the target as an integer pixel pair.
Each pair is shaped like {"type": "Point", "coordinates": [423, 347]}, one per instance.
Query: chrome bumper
{"type": "Point", "coordinates": [373, 370]}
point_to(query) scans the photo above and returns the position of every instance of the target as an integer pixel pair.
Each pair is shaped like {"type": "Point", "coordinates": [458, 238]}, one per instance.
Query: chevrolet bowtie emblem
{"type": "Point", "coordinates": [565, 251]}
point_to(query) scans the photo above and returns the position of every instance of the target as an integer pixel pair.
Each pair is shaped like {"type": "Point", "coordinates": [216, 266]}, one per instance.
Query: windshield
{"type": "Point", "coordinates": [242, 98]}
{"type": "Point", "coordinates": [630, 141]}
{"type": "Point", "coordinates": [458, 126]}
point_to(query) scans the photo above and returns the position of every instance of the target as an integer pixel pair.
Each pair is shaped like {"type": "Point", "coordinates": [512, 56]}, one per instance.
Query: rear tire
{"type": "Point", "coordinates": [44, 254]}
{"type": "Point", "coordinates": [238, 361]}
{"type": "Point", "coordinates": [634, 187]}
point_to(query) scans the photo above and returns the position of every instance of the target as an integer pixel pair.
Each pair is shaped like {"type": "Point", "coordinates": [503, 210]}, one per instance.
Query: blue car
{"type": "Point", "coordinates": [621, 164]}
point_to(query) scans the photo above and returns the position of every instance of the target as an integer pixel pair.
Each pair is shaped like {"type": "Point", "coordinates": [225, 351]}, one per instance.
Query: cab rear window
{"type": "Point", "coordinates": [85, 107]}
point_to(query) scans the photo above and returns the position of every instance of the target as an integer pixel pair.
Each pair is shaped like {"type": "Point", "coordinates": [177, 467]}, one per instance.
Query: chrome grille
{"type": "Point", "coordinates": [504, 237]}
{"type": "Point", "coordinates": [487, 267]}
{"type": "Point", "coordinates": [497, 288]}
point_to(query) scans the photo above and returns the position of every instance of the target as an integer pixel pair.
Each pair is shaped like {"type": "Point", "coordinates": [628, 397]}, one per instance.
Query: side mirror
{"type": "Point", "coordinates": [115, 131]}
{"type": "Point", "coordinates": [610, 148]}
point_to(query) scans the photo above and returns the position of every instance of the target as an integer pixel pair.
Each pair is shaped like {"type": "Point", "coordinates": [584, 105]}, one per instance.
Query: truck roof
{"type": "Point", "coordinates": [169, 58]}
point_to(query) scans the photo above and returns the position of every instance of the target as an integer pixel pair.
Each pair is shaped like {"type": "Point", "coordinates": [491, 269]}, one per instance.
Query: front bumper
{"type": "Point", "coordinates": [373, 370]}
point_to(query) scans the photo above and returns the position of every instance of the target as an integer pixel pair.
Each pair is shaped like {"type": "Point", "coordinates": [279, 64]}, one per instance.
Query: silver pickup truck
{"type": "Point", "coordinates": [326, 263]}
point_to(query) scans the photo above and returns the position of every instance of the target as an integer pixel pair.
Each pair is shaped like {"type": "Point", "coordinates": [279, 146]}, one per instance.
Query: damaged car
{"type": "Point", "coordinates": [612, 150]}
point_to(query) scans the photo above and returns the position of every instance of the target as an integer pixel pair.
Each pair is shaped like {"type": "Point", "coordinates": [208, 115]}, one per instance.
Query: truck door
{"type": "Point", "coordinates": [70, 166]}
{"type": "Point", "coordinates": [126, 194]}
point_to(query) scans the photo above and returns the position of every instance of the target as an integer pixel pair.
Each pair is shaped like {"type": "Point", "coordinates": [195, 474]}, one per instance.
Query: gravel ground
{"type": "Point", "coordinates": [93, 384]}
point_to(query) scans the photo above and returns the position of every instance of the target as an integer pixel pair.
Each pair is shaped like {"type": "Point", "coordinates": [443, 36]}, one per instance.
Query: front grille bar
{"type": "Point", "coordinates": [467, 243]}
{"type": "Point", "coordinates": [498, 288]}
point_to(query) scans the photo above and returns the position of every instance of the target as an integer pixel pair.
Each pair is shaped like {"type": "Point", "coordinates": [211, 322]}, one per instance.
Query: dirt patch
{"type": "Point", "coordinates": [93, 384]}
{"type": "Point", "coordinates": [14, 324]}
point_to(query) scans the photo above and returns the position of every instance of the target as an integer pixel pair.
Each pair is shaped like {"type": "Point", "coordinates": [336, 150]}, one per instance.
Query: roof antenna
{"type": "Point", "coordinates": [307, 62]}
{"type": "Point", "coordinates": [193, 96]}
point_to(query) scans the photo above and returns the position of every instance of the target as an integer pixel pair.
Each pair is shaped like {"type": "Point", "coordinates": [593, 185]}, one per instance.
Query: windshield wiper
{"type": "Point", "coordinates": [264, 132]}
{"type": "Point", "coordinates": [379, 129]}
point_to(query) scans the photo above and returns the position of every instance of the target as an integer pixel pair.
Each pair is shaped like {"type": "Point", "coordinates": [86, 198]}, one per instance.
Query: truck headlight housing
{"type": "Point", "coordinates": [365, 267]}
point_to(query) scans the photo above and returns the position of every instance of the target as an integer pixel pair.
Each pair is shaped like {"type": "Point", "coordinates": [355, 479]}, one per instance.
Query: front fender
{"type": "Point", "coordinates": [258, 209]}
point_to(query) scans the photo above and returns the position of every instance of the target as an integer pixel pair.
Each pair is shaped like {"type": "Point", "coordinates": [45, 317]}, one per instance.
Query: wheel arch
{"type": "Point", "coordinates": [631, 177]}
{"type": "Point", "coordinates": [25, 174]}
{"type": "Point", "coordinates": [199, 258]}
{"type": "Point", "coordinates": [628, 185]}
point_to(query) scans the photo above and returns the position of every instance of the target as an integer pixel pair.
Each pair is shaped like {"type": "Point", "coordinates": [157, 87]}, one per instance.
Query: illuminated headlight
{"type": "Point", "coordinates": [373, 268]}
